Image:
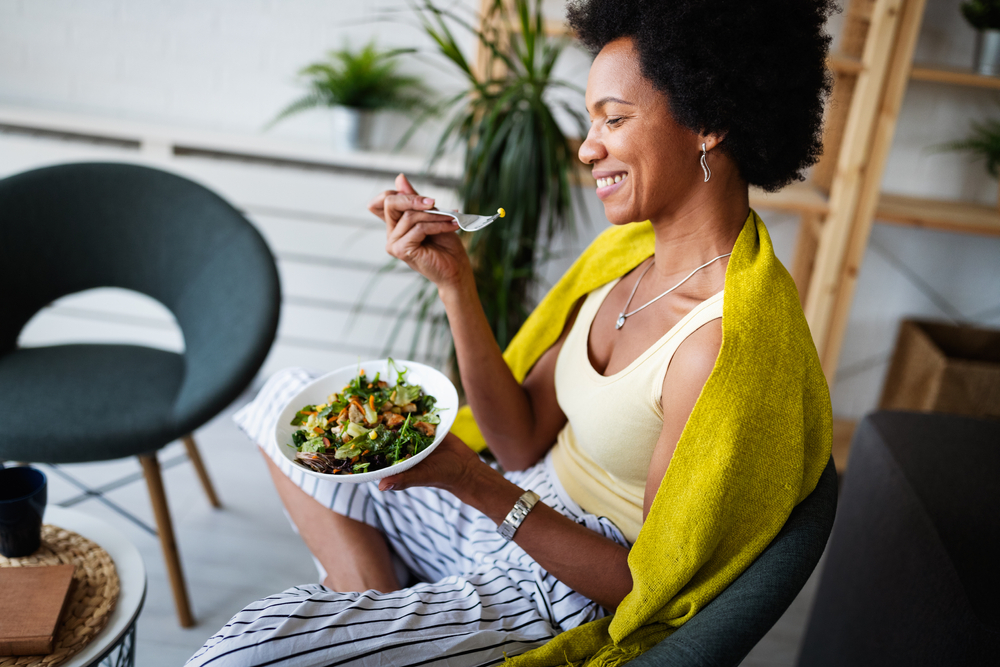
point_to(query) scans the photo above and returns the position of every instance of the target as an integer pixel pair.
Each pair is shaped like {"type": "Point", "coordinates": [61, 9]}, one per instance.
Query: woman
{"type": "Point", "coordinates": [597, 392]}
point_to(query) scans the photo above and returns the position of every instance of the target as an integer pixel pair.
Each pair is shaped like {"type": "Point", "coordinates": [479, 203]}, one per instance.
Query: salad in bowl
{"type": "Point", "coordinates": [364, 422]}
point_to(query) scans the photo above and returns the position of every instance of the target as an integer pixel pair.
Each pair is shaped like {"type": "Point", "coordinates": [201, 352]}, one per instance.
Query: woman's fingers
{"type": "Point", "coordinates": [398, 204]}
{"type": "Point", "coordinates": [411, 219]}
{"type": "Point", "coordinates": [403, 247]}
{"type": "Point", "coordinates": [403, 186]}
{"type": "Point", "coordinates": [377, 205]}
{"type": "Point", "coordinates": [451, 462]}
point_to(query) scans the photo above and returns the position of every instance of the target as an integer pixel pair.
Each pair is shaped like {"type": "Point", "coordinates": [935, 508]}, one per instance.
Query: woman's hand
{"type": "Point", "coordinates": [565, 548]}
{"type": "Point", "coordinates": [426, 242]}
{"type": "Point", "coordinates": [451, 466]}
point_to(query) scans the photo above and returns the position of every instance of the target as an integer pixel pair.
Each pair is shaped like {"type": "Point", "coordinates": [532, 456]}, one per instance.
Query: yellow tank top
{"type": "Point", "coordinates": [602, 455]}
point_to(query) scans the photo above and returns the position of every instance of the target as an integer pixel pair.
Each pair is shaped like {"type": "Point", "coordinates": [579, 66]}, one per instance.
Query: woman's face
{"type": "Point", "coordinates": [646, 164]}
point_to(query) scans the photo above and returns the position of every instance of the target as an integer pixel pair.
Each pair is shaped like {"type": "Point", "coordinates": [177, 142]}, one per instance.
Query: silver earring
{"type": "Point", "coordinates": [704, 163]}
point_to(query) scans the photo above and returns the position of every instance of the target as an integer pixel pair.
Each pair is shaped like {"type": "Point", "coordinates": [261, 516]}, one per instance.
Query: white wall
{"type": "Point", "coordinates": [214, 64]}
{"type": "Point", "coordinates": [229, 65]}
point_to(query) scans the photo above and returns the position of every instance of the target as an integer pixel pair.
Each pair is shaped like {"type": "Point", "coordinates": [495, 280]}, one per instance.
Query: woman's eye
{"type": "Point", "coordinates": [614, 122]}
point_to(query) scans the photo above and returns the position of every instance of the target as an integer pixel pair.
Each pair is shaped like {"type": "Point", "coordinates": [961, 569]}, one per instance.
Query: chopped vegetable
{"type": "Point", "coordinates": [368, 426]}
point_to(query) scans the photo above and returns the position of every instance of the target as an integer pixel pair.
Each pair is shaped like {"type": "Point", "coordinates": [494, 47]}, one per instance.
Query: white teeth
{"type": "Point", "coordinates": [604, 182]}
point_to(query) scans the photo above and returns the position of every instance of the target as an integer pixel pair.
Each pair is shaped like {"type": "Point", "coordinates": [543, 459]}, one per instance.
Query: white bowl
{"type": "Point", "coordinates": [433, 381]}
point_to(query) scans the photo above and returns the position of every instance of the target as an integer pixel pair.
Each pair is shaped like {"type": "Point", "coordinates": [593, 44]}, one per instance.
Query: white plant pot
{"type": "Point", "coordinates": [352, 128]}
{"type": "Point", "coordinates": [986, 59]}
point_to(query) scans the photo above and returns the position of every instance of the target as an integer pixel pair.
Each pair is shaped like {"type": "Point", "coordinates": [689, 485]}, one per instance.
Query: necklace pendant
{"type": "Point", "coordinates": [621, 321]}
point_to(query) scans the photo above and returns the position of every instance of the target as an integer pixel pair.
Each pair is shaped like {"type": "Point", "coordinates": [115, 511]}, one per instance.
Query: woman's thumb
{"type": "Point", "coordinates": [403, 185]}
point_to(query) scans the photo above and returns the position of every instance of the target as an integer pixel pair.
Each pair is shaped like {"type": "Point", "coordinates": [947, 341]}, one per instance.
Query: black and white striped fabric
{"type": "Point", "coordinates": [481, 596]}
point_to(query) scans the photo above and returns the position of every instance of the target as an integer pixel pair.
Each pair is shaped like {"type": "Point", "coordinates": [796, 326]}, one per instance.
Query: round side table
{"type": "Point", "coordinates": [114, 646]}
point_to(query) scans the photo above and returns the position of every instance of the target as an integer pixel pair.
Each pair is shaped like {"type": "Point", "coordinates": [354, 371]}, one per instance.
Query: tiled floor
{"type": "Point", "coordinates": [246, 550]}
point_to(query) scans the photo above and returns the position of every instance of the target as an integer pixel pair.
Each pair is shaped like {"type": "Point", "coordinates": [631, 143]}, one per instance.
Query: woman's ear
{"type": "Point", "coordinates": [711, 140]}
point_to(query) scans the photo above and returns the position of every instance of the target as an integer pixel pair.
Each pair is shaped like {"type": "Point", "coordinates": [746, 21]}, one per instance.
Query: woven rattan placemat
{"type": "Point", "coordinates": [94, 595]}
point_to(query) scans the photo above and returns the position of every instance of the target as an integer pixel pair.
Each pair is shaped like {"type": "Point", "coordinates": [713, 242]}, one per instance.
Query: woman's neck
{"type": "Point", "coordinates": [704, 226]}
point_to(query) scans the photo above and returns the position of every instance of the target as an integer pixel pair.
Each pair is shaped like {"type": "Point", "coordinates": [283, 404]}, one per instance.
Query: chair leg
{"type": "Point", "coordinates": [151, 469]}
{"type": "Point", "coordinates": [199, 467]}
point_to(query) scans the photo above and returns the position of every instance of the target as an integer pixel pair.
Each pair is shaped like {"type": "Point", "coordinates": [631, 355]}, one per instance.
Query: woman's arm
{"type": "Point", "coordinates": [519, 421]}
{"type": "Point", "coordinates": [686, 375]}
{"type": "Point", "coordinates": [582, 559]}
{"type": "Point", "coordinates": [585, 561]}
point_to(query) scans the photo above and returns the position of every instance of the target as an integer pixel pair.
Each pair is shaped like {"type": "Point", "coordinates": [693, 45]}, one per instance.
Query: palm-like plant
{"type": "Point", "coordinates": [515, 155]}
{"type": "Point", "coordinates": [982, 14]}
{"type": "Point", "coordinates": [367, 79]}
{"type": "Point", "coordinates": [983, 142]}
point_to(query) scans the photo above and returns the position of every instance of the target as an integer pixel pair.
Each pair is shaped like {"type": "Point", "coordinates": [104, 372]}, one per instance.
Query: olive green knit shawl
{"type": "Point", "coordinates": [754, 447]}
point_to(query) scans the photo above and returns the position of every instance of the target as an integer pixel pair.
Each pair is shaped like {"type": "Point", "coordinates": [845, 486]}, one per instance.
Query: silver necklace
{"type": "Point", "coordinates": [621, 317]}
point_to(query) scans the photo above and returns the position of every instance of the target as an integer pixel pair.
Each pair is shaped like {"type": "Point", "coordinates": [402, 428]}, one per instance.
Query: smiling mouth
{"type": "Point", "coordinates": [611, 180]}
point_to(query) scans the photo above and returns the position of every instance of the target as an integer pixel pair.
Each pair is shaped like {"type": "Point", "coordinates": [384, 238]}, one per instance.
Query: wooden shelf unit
{"type": "Point", "coordinates": [895, 209]}
{"type": "Point", "coordinates": [951, 216]}
{"type": "Point", "coordinates": [794, 198]}
{"type": "Point", "coordinates": [872, 72]}
{"type": "Point", "coordinates": [958, 76]}
{"type": "Point", "coordinates": [954, 76]}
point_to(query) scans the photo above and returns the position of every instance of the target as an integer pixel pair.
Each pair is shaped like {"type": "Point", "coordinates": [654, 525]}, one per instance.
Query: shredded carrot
{"type": "Point", "coordinates": [364, 452]}
{"type": "Point", "coordinates": [317, 430]}
{"type": "Point", "coordinates": [371, 401]}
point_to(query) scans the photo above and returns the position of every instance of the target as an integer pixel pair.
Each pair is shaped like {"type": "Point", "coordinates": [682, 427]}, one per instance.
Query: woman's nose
{"type": "Point", "coordinates": [591, 150]}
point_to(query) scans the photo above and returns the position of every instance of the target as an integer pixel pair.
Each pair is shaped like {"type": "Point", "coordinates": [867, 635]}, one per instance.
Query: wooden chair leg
{"type": "Point", "coordinates": [199, 467]}
{"type": "Point", "coordinates": [151, 469]}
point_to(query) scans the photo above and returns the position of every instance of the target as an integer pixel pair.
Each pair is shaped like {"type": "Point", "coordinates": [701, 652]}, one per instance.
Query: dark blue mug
{"type": "Point", "coordinates": [22, 505]}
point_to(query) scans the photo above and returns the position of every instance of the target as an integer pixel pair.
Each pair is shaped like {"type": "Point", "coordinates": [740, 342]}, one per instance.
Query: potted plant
{"type": "Point", "coordinates": [983, 142]}
{"type": "Point", "coordinates": [355, 85]}
{"type": "Point", "coordinates": [984, 16]}
{"type": "Point", "coordinates": [514, 155]}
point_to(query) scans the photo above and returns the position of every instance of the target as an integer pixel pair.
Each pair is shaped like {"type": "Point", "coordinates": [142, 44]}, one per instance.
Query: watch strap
{"type": "Point", "coordinates": [516, 515]}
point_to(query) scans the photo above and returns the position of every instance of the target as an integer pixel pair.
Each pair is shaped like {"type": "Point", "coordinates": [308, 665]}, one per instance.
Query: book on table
{"type": "Point", "coordinates": [32, 603]}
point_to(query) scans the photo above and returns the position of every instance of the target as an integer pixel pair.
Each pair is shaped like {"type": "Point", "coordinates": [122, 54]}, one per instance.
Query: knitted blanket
{"type": "Point", "coordinates": [754, 447]}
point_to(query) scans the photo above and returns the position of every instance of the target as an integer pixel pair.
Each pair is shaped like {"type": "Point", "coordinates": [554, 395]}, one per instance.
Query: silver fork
{"type": "Point", "coordinates": [467, 221]}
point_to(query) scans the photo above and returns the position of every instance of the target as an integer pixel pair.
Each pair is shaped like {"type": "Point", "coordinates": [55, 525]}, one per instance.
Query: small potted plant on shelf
{"type": "Point", "coordinates": [984, 16]}
{"type": "Point", "coordinates": [983, 142]}
{"type": "Point", "coordinates": [355, 85]}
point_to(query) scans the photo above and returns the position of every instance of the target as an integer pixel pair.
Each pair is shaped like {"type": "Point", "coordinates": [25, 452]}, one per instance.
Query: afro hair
{"type": "Point", "coordinates": [751, 70]}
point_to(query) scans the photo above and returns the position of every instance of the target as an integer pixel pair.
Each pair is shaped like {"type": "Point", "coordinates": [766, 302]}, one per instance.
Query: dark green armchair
{"type": "Point", "coordinates": [73, 227]}
{"type": "Point", "coordinates": [724, 632]}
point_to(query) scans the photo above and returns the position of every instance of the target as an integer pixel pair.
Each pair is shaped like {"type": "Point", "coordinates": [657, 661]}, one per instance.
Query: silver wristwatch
{"type": "Point", "coordinates": [517, 514]}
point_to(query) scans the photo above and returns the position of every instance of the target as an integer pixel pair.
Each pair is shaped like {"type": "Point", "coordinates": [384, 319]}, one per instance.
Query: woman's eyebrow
{"type": "Point", "coordinates": [604, 100]}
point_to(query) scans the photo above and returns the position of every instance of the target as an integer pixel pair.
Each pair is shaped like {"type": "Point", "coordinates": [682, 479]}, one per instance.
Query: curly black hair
{"type": "Point", "coordinates": [753, 70]}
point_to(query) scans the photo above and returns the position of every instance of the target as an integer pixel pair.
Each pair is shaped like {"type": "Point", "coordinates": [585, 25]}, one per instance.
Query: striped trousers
{"type": "Point", "coordinates": [480, 597]}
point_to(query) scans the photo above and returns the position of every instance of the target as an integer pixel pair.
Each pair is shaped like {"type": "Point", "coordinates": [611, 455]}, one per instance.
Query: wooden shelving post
{"type": "Point", "coordinates": [864, 215]}
{"type": "Point", "coordinates": [854, 169]}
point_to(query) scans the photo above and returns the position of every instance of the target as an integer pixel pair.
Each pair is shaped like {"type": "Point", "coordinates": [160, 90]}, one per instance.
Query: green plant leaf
{"type": "Point", "coordinates": [363, 79]}
{"type": "Point", "coordinates": [514, 155]}
{"type": "Point", "coordinates": [983, 142]}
